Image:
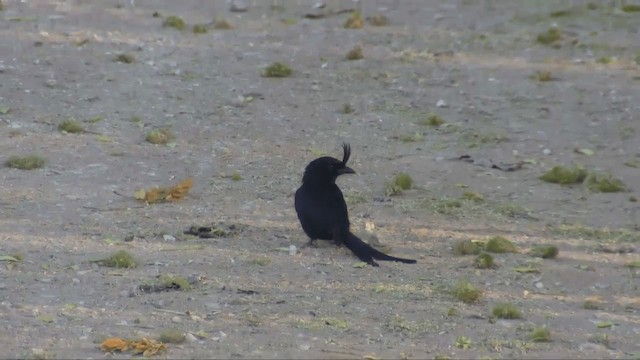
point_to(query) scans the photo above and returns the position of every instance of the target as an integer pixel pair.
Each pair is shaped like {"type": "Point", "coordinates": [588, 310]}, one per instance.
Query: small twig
{"type": "Point", "coordinates": [172, 312]}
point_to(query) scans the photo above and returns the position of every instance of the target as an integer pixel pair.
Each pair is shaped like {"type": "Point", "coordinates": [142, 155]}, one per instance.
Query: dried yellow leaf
{"type": "Point", "coordinates": [147, 347]}
{"type": "Point", "coordinates": [158, 194]}
{"type": "Point", "coordinates": [114, 344]}
{"type": "Point", "coordinates": [139, 194]}
{"type": "Point", "coordinates": [155, 195]}
{"type": "Point", "coordinates": [180, 189]}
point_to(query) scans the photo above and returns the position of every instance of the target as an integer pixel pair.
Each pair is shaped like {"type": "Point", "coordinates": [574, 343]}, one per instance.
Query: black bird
{"type": "Point", "coordinates": [323, 212]}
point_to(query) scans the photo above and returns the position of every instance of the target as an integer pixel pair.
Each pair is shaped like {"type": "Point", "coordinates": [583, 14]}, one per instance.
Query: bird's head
{"type": "Point", "coordinates": [325, 170]}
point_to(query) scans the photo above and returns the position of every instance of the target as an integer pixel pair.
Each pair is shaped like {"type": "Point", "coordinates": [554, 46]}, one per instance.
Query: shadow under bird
{"type": "Point", "coordinates": [323, 212]}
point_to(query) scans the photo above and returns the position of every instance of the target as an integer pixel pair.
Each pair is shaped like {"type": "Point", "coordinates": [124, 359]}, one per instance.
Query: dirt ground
{"type": "Point", "coordinates": [245, 139]}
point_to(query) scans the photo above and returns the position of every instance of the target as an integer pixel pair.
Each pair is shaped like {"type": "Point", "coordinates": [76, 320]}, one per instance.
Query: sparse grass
{"type": "Point", "coordinates": [463, 342]}
{"type": "Point", "coordinates": [598, 234]}
{"type": "Point", "coordinates": [627, 132]}
{"type": "Point", "coordinates": [355, 54]}
{"type": "Point", "coordinates": [354, 198]}
{"type": "Point", "coordinates": [467, 247]}
{"type": "Point", "coordinates": [604, 60]}
{"type": "Point", "coordinates": [544, 251]}
{"type": "Point", "coordinates": [511, 211]}
{"type": "Point", "coordinates": [472, 196]}
{"type": "Point", "coordinates": [542, 76]}
{"type": "Point", "coordinates": [605, 183]}
{"type": "Point", "coordinates": [433, 120]}
{"type": "Point", "coordinates": [561, 13]}
{"type": "Point", "coordinates": [28, 162]}
{"type": "Point", "coordinates": [125, 58]}
{"type": "Point", "coordinates": [160, 136]}
{"type": "Point", "coordinates": [540, 334]}
{"type": "Point", "coordinates": [222, 24]}
{"type": "Point", "coordinates": [549, 37]}
{"type": "Point", "coordinates": [565, 175]}
{"type": "Point", "coordinates": [378, 20]}
{"type": "Point", "coordinates": [467, 292]}
{"type": "Point", "coordinates": [402, 181]}
{"type": "Point", "coordinates": [484, 261]}
{"type": "Point", "coordinates": [323, 322]}
{"type": "Point", "coordinates": [175, 22]}
{"type": "Point", "coordinates": [354, 21]}
{"type": "Point", "coordinates": [602, 339]}
{"type": "Point", "coordinates": [277, 70]}
{"type": "Point", "coordinates": [409, 138]}
{"type": "Point", "coordinates": [236, 176]}
{"type": "Point", "coordinates": [200, 29]}
{"type": "Point", "coordinates": [506, 311]}
{"type": "Point", "coordinates": [473, 139]}
{"type": "Point", "coordinates": [120, 259]}
{"type": "Point", "coordinates": [71, 126]}
{"type": "Point", "coordinates": [633, 264]}
{"type": "Point", "coordinates": [593, 304]}
{"type": "Point", "coordinates": [171, 336]}
{"type": "Point", "coordinates": [500, 245]}
{"type": "Point", "coordinates": [630, 8]}
{"type": "Point", "coordinates": [262, 260]}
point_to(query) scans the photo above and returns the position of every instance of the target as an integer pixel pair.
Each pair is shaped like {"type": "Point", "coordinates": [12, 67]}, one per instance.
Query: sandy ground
{"type": "Point", "coordinates": [473, 63]}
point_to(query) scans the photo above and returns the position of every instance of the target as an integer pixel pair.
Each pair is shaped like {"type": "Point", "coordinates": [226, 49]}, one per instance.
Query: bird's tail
{"type": "Point", "coordinates": [367, 253]}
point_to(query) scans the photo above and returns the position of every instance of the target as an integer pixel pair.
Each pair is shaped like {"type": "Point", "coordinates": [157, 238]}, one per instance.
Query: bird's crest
{"type": "Point", "coordinates": [346, 148]}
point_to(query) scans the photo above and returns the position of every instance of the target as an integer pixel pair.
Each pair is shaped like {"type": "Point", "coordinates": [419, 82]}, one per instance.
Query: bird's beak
{"type": "Point", "coordinates": [346, 170]}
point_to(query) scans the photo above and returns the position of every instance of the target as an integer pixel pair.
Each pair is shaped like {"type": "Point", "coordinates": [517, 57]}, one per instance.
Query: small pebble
{"type": "Point", "coordinates": [168, 238]}
{"type": "Point", "coordinates": [441, 104]}
{"type": "Point", "coordinates": [176, 319]}
{"type": "Point", "coordinates": [293, 250]}
{"type": "Point", "coordinates": [189, 337]}
{"type": "Point", "coordinates": [546, 151]}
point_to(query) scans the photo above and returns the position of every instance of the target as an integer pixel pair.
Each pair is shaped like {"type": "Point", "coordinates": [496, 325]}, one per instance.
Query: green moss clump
{"type": "Point", "coordinates": [175, 282]}
{"type": "Point", "coordinates": [404, 181]}
{"type": "Point", "coordinates": [467, 247]}
{"type": "Point", "coordinates": [549, 37]}
{"type": "Point", "coordinates": [172, 336]}
{"type": "Point", "coordinates": [175, 22]}
{"type": "Point", "coordinates": [500, 245]}
{"type": "Point", "coordinates": [506, 311]}
{"type": "Point", "coordinates": [565, 175]}
{"type": "Point", "coordinates": [467, 292]}
{"type": "Point", "coordinates": [484, 261]}
{"type": "Point", "coordinates": [560, 13]}
{"type": "Point", "coordinates": [631, 8]}
{"type": "Point", "coordinates": [29, 162]}
{"type": "Point", "coordinates": [400, 182]}
{"type": "Point", "coordinates": [378, 20]}
{"type": "Point", "coordinates": [354, 21]}
{"type": "Point", "coordinates": [121, 259]}
{"type": "Point", "coordinates": [347, 108]}
{"type": "Point", "coordinates": [277, 69]}
{"type": "Point", "coordinates": [71, 126]}
{"type": "Point", "coordinates": [125, 58]}
{"type": "Point", "coordinates": [160, 136]}
{"type": "Point", "coordinates": [222, 24]}
{"type": "Point", "coordinates": [605, 183]}
{"type": "Point", "coordinates": [545, 251]}
{"type": "Point", "coordinates": [411, 138]}
{"type": "Point", "coordinates": [540, 334]}
{"type": "Point", "coordinates": [433, 120]}
{"type": "Point", "coordinates": [355, 54]}
{"type": "Point", "coordinates": [542, 76]}
{"type": "Point", "coordinates": [199, 29]}
{"type": "Point", "coordinates": [236, 176]}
